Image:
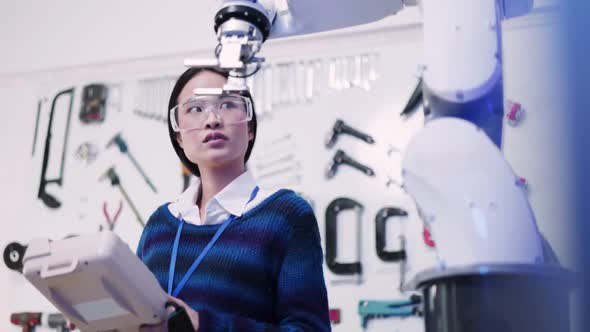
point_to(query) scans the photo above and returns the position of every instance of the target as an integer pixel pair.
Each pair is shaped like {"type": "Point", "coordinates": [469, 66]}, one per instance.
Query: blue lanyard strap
{"type": "Point", "coordinates": [196, 263]}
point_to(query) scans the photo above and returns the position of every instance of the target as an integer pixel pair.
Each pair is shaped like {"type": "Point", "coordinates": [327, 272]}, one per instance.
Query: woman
{"type": "Point", "coordinates": [262, 269]}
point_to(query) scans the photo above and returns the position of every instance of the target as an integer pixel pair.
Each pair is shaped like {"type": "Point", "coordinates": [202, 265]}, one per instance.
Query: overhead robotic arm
{"type": "Point", "coordinates": [462, 80]}
{"type": "Point", "coordinates": [243, 26]}
{"type": "Point", "coordinates": [460, 36]}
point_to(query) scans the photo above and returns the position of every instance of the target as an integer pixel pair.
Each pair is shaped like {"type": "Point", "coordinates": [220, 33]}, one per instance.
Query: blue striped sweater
{"type": "Point", "coordinates": [263, 274]}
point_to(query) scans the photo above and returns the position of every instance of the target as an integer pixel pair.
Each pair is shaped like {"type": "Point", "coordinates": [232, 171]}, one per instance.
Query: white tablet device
{"type": "Point", "coordinates": [96, 281]}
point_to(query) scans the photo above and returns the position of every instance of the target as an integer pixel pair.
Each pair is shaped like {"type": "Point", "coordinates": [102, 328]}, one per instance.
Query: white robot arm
{"type": "Point", "coordinates": [460, 36]}
{"type": "Point", "coordinates": [242, 26]}
{"type": "Point", "coordinates": [462, 77]}
{"type": "Point", "coordinates": [487, 240]}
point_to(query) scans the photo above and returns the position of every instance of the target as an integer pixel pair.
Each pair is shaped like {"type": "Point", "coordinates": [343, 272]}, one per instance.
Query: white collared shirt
{"type": "Point", "coordinates": [233, 199]}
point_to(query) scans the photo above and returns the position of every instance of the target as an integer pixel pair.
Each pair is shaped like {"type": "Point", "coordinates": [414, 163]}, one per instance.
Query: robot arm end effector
{"type": "Point", "coordinates": [241, 28]}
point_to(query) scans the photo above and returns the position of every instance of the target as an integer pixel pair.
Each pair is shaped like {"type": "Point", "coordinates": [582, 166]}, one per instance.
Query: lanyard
{"type": "Point", "coordinates": [201, 256]}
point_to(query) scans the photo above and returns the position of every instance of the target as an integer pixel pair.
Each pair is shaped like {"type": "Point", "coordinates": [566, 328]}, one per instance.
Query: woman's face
{"type": "Point", "coordinates": [218, 144]}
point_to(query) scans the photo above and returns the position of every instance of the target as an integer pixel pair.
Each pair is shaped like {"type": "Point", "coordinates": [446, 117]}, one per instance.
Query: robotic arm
{"type": "Point", "coordinates": [451, 27]}
{"type": "Point", "coordinates": [242, 26]}
{"type": "Point", "coordinates": [453, 168]}
{"type": "Point", "coordinates": [462, 80]}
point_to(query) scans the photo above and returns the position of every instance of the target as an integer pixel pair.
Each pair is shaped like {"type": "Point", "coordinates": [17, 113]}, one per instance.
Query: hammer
{"type": "Point", "coordinates": [27, 320]}
{"type": "Point", "coordinates": [342, 128]}
{"type": "Point", "coordinates": [123, 147]}
{"type": "Point", "coordinates": [115, 181]}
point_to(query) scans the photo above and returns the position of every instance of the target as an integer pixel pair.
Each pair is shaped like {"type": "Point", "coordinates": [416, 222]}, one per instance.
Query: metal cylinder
{"type": "Point", "coordinates": [507, 299]}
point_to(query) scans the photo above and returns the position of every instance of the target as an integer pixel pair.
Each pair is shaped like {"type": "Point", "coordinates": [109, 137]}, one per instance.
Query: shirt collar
{"type": "Point", "coordinates": [233, 198]}
{"type": "Point", "coordinates": [186, 204]}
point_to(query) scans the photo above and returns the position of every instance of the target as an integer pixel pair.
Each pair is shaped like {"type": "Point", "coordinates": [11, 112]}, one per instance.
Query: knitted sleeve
{"type": "Point", "coordinates": [301, 303]}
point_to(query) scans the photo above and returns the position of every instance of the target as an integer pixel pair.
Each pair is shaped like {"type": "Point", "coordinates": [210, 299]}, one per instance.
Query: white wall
{"type": "Point", "coordinates": [66, 33]}
{"type": "Point", "coordinates": [122, 42]}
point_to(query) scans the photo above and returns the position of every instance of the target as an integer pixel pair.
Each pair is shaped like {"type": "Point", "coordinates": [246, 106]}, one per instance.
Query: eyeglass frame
{"type": "Point", "coordinates": [212, 92]}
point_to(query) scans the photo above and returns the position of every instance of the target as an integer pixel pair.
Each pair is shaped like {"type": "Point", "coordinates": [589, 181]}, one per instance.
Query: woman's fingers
{"type": "Point", "coordinates": [193, 315]}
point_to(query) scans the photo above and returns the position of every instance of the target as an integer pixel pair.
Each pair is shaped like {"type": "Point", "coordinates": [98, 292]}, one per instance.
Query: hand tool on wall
{"type": "Point", "coordinates": [275, 148]}
{"type": "Point", "coordinates": [382, 217]}
{"type": "Point", "coordinates": [124, 148]}
{"type": "Point", "coordinates": [316, 79]}
{"type": "Point", "coordinates": [110, 221]}
{"type": "Point", "coordinates": [13, 256]}
{"type": "Point", "coordinates": [145, 115]}
{"type": "Point", "coordinates": [261, 166]}
{"type": "Point", "coordinates": [49, 200]}
{"type": "Point", "coordinates": [39, 106]}
{"type": "Point", "coordinates": [334, 208]}
{"type": "Point", "coordinates": [382, 309]}
{"type": "Point", "coordinates": [279, 140]}
{"type": "Point", "coordinates": [273, 152]}
{"type": "Point", "coordinates": [87, 152]}
{"type": "Point", "coordinates": [58, 322]}
{"type": "Point", "coordinates": [335, 316]}
{"type": "Point", "coordinates": [115, 181]}
{"type": "Point", "coordinates": [268, 104]}
{"type": "Point", "coordinates": [341, 158]}
{"type": "Point", "coordinates": [341, 128]}
{"type": "Point", "coordinates": [27, 320]}
{"type": "Point", "coordinates": [415, 100]}
{"type": "Point", "coordinates": [94, 101]}
{"type": "Point", "coordinates": [153, 96]}
{"type": "Point", "coordinates": [290, 168]}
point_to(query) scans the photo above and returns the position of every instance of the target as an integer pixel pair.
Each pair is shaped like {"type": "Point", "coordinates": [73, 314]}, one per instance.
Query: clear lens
{"type": "Point", "coordinates": [194, 113]}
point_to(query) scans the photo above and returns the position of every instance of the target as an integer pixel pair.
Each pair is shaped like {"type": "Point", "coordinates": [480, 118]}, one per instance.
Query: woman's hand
{"type": "Point", "coordinates": [163, 326]}
{"type": "Point", "coordinates": [193, 315]}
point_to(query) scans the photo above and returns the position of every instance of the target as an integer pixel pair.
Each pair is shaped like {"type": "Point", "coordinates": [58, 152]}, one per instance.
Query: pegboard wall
{"type": "Point", "coordinates": [306, 85]}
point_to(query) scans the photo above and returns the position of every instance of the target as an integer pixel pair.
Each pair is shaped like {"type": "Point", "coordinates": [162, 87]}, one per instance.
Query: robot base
{"type": "Point", "coordinates": [507, 298]}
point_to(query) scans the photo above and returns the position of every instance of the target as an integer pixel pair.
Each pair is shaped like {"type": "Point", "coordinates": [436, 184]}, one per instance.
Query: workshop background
{"type": "Point", "coordinates": [115, 63]}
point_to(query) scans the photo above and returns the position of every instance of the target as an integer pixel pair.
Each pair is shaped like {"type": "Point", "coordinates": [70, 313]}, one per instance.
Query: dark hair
{"type": "Point", "coordinates": [180, 83]}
